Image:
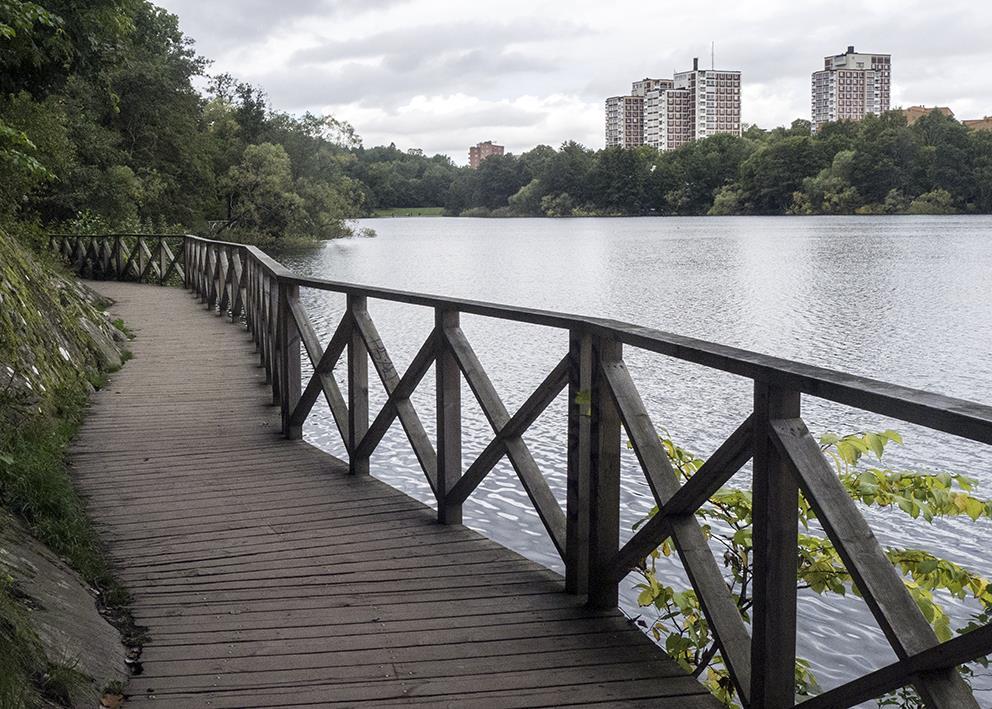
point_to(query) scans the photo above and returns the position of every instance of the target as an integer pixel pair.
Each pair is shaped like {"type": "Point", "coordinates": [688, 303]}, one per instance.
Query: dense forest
{"type": "Point", "coordinates": [877, 166]}
{"type": "Point", "coordinates": [101, 127]}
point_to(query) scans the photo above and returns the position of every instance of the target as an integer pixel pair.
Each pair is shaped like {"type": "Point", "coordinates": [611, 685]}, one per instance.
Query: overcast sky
{"type": "Point", "coordinates": [442, 75]}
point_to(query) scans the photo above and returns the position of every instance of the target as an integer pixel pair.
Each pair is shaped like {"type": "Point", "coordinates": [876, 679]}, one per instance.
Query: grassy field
{"type": "Point", "coordinates": [409, 212]}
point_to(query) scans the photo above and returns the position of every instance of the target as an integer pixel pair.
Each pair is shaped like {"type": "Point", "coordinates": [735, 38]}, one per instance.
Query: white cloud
{"type": "Point", "coordinates": [442, 75]}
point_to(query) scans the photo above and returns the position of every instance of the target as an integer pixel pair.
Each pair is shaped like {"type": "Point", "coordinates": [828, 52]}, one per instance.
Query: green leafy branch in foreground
{"type": "Point", "coordinates": [727, 522]}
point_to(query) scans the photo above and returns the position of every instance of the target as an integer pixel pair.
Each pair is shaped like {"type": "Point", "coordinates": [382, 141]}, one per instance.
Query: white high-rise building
{"type": "Point", "coordinates": [714, 100]}
{"type": "Point", "coordinates": [654, 96]}
{"type": "Point", "coordinates": [850, 86]}
{"type": "Point", "coordinates": [695, 104]}
{"type": "Point", "coordinates": [624, 121]}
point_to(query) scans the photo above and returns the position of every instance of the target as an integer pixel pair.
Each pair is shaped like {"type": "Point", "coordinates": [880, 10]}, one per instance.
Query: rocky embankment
{"type": "Point", "coordinates": [57, 344]}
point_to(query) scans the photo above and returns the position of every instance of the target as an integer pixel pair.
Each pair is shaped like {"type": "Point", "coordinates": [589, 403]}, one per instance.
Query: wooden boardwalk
{"type": "Point", "coordinates": [267, 576]}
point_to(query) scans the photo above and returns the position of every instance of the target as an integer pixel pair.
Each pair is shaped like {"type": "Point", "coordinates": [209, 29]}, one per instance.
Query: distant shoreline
{"type": "Point", "coordinates": [423, 212]}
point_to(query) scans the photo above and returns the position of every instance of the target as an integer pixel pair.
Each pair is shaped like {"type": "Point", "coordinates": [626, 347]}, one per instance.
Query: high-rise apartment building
{"type": "Point", "coordinates": [850, 86]}
{"type": "Point", "coordinates": [625, 121]}
{"type": "Point", "coordinates": [668, 113]}
{"type": "Point", "coordinates": [654, 95]}
{"type": "Point", "coordinates": [478, 153]}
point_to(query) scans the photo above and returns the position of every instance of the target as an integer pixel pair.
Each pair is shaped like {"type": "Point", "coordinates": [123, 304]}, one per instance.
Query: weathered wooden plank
{"type": "Point", "coordinates": [269, 569]}
{"type": "Point", "coordinates": [882, 588]}
{"type": "Point", "coordinates": [289, 335]}
{"type": "Point", "coordinates": [579, 457]}
{"type": "Point", "coordinates": [448, 402]}
{"type": "Point", "coordinates": [358, 386]}
{"type": "Point", "coordinates": [775, 555]}
{"type": "Point", "coordinates": [604, 476]}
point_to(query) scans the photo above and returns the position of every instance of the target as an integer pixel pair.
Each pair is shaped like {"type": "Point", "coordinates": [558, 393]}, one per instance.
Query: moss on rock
{"type": "Point", "coordinates": [56, 345]}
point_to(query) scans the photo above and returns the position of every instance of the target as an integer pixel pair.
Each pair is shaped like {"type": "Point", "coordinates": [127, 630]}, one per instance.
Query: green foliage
{"type": "Point", "coordinates": [726, 521]}
{"type": "Point", "coordinates": [98, 112]}
{"type": "Point", "coordinates": [938, 201]}
{"type": "Point", "coordinates": [877, 166]}
{"type": "Point", "coordinates": [48, 364]}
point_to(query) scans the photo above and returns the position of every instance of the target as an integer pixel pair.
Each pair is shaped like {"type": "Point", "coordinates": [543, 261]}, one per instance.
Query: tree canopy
{"type": "Point", "coordinates": [100, 121]}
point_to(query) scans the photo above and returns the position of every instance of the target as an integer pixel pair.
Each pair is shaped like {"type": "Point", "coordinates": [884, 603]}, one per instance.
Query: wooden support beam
{"type": "Point", "coordinates": [775, 556]}
{"type": "Point", "coordinates": [448, 388]}
{"type": "Point", "coordinates": [523, 462]}
{"type": "Point", "coordinates": [241, 274]}
{"type": "Point", "coordinates": [947, 655]}
{"type": "Point", "coordinates": [881, 586]}
{"type": "Point", "coordinates": [715, 472]}
{"type": "Point", "coordinates": [289, 337]}
{"type": "Point", "coordinates": [676, 519]}
{"type": "Point", "coordinates": [275, 361]}
{"type": "Point", "coordinates": [546, 392]}
{"type": "Point", "coordinates": [323, 379]}
{"type": "Point", "coordinates": [579, 455]}
{"type": "Point", "coordinates": [401, 392]}
{"type": "Point", "coordinates": [604, 477]}
{"type": "Point", "coordinates": [224, 302]}
{"type": "Point", "coordinates": [358, 386]}
{"type": "Point", "coordinates": [410, 420]}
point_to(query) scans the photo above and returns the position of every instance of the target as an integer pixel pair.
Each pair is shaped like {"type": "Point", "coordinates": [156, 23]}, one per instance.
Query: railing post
{"type": "Point", "coordinates": [238, 300]}
{"type": "Point", "coordinates": [289, 370]}
{"type": "Point", "coordinates": [225, 280]}
{"type": "Point", "coordinates": [775, 510]}
{"type": "Point", "coordinates": [205, 271]}
{"type": "Point", "coordinates": [162, 265]}
{"type": "Point", "coordinates": [358, 388]}
{"type": "Point", "coordinates": [273, 335]}
{"type": "Point", "coordinates": [604, 476]}
{"type": "Point", "coordinates": [449, 419]}
{"type": "Point", "coordinates": [186, 276]}
{"type": "Point", "coordinates": [579, 452]}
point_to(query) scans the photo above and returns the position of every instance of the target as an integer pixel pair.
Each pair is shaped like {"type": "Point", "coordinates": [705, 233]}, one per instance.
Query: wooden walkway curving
{"type": "Point", "coordinates": [266, 576]}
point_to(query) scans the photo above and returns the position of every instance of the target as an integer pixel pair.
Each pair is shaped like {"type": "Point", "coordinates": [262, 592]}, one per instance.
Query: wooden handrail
{"type": "Point", "coordinates": [252, 288]}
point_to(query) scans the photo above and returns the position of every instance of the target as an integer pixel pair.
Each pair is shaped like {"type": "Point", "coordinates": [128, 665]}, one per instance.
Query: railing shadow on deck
{"type": "Point", "coordinates": [256, 290]}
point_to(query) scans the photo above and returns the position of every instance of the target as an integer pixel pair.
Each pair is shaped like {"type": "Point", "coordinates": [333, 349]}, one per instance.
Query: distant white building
{"type": "Point", "coordinates": [625, 121]}
{"type": "Point", "coordinates": [850, 86]}
{"type": "Point", "coordinates": [668, 113]}
{"type": "Point", "coordinates": [654, 96]}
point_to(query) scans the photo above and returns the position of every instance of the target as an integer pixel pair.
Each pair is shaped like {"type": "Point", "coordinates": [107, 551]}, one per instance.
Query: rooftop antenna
{"type": "Point", "coordinates": [712, 55]}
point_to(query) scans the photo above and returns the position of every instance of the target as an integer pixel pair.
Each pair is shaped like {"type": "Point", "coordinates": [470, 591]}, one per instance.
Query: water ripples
{"type": "Point", "coordinates": [899, 299]}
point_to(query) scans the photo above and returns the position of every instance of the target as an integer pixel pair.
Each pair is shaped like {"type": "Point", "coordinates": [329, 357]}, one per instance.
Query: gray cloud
{"type": "Point", "coordinates": [366, 60]}
{"type": "Point", "coordinates": [387, 86]}
{"type": "Point", "coordinates": [220, 25]}
{"type": "Point", "coordinates": [415, 43]}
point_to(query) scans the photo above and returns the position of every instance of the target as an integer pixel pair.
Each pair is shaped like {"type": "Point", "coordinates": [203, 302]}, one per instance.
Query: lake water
{"type": "Point", "coordinates": [903, 299]}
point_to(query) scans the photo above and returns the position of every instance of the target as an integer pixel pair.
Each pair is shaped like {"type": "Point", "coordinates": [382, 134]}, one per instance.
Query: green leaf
{"type": "Point", "coordinates": [974, 508]}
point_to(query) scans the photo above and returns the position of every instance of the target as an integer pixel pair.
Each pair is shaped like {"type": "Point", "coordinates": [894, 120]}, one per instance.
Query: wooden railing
{"type": "Point", "coordinates": [124, 257]}
{"type": "Point", "coordinates": [249, 286]}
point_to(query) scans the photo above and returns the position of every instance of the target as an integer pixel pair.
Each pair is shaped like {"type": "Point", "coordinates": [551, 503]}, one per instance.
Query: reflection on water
{"type": "Point", "coordinates": [904, 299]}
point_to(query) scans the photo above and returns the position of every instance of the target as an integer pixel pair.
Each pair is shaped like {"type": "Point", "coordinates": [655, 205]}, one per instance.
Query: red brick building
{"type": "Point", "coordinates": [478, 153]}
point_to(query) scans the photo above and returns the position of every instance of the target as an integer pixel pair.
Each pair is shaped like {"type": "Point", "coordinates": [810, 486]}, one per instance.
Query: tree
{"type": "Point", "coordinates": [727, 520]}
{"type": "Point", "coordinates": [938, 201]}
{"type": "Point", "coordinates": [776, 170]}
{"type": "Point", "coordinates": [260, 192]}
